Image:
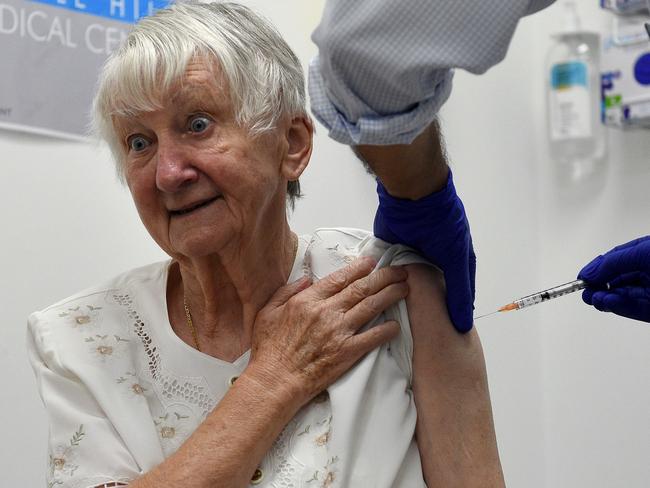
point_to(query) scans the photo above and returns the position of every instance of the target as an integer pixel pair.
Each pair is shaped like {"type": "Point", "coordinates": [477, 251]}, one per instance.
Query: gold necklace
{"type": "Point", "coordinates": [188, 315]}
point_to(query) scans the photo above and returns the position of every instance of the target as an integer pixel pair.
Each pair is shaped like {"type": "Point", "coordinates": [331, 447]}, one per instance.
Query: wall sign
{"type": "Point", "coordinates": [50, 55]}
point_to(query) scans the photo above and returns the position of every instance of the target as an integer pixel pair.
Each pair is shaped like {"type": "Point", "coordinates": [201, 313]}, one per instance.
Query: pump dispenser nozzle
{"type": "Point", "coordinates": [571, 17]}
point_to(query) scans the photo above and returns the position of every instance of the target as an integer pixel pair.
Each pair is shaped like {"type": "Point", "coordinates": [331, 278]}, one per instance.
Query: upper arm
{"type": "Point", "coordinates": [84, 448]}
{"type": "Point", "coordinates": [455, 430]}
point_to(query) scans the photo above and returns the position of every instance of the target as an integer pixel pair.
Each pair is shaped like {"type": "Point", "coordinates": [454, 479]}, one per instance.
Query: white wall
{"type": "Point", "coordinates": [596, 366]}
{"type": "Point", "coordinates": [568, 384]}
{"type": "Point", "coordinates": [588, 411]}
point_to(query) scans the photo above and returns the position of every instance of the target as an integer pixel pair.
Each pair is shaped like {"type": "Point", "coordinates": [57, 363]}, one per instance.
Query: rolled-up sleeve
{"type": "Point", "coordinates": [385, 68]}
{"type": "Point", "coordinates": [84, 449]}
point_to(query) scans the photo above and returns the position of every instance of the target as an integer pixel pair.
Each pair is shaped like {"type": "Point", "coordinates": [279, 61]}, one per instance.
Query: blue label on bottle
{"type": "Point", "coordinates": [566, 75]}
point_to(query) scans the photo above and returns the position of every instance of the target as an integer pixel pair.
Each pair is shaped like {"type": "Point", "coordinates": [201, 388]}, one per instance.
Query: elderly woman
{"type": "Point", "coordinates": [252, 356]}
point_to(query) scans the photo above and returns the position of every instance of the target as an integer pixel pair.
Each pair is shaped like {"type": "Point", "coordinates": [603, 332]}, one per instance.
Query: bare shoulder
{"type": "Point", "coordinates": [427, 288]}
{"type": "Point", "coordinates": [431, 326]}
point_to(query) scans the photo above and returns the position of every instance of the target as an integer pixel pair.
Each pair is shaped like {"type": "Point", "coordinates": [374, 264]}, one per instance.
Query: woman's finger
{"type": "Point", "coordinates": [368, 286]}
{"type": "Point", "coordinates": [361, 344]}
{"type": "Point", "coordinates": [283, 294]}
{"type": "Point", "coordinates": [368, 308]}
{"type": "Point", "coordinates": [338, 280]}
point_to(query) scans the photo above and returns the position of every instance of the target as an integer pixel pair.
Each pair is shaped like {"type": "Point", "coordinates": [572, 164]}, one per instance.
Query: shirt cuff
{"type": "Point", "coordinates": [373, 128]}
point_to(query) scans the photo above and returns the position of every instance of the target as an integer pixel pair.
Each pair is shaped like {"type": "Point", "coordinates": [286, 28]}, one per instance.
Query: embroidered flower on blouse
{"type": "Point", "coordinates": [63, 458]}
{"type": "Point", "coordinates": [132, 386]}
{"type": "Point", "coordinates": [341, 257]}
{"type": "Point", "coordinates": [106, 347]}
{"type": "Point", "coordinates": [330, 472]}
{"type": "Point", "coordinates": [81, 318]}
{"type": "Point", "coordinates": [62, 461]}
{"type": "Point", "coordinates": [329, 480]}
{"type": "Point", "coordinates": [322, 439]}
{"type": "Point", "coordinates": [173, 428]}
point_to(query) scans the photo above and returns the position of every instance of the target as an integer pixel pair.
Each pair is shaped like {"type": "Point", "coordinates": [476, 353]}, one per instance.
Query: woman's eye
{"type": "Point", "coordinates": [138, 143]}
{"type": "Point", "coordinates": [199, 124]}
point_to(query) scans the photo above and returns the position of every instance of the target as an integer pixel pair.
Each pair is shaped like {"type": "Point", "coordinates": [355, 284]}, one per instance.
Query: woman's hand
{"type": "Point", "coordinates": [303, 340]}
{"type": "Point", "coordinates": [306, 336]}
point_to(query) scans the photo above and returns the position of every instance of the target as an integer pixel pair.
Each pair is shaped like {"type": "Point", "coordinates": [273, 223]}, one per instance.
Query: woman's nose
{"type": "Point", "coordinates": [174, 168]}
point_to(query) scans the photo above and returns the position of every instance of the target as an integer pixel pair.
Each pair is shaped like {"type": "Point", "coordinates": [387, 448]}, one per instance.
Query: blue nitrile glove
{"type": "Point", "coordinates": [626, 269]}
{"type": "Point", "coordinates": [435, 226]}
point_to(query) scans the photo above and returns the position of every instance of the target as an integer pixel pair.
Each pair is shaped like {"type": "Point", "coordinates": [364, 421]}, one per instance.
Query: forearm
{"type": "Point", "coordinates": [455, 431]}
{"type": "Point", "coordinates": [228, 446]}
{"type": "Point", "coordinates": [409, 171]}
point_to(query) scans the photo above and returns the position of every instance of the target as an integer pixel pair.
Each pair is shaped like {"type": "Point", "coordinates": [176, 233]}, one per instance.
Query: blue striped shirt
{"type": "Point", "coordinates": [385, 67]}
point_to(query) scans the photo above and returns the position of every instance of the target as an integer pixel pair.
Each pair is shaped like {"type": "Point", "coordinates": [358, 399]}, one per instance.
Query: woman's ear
{"type": "Point", "coordinates": [299, 135]}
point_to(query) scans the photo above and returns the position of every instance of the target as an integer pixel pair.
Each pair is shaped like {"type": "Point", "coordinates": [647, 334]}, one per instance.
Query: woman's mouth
{"type": "Point", "coordinates": [192, 208]}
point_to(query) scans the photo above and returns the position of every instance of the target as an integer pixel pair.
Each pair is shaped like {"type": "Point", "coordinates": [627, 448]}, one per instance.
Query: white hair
{"type": "Point", "coordinates": [264, 76]}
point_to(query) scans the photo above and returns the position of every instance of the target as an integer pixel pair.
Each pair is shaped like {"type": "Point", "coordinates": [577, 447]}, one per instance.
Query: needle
{"type": "Point", "coordinates": [486, 315]}
{"type": "Point", "coordinates": [541, 296]}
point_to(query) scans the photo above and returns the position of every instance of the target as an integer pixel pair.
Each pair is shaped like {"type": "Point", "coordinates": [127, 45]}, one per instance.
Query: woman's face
{"type": "Point", "coordinates": [201, 183]}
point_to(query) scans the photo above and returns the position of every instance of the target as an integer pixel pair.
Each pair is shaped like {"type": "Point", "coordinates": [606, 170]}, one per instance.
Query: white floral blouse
{"type": "Point", "coordinates": [123, 392]}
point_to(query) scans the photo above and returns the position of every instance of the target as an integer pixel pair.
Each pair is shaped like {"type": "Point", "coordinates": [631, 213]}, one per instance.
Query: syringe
{"type": "Point", "coordinates": [541, 296]}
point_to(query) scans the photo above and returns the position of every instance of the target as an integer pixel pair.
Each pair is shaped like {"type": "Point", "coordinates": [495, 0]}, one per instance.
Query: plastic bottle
{"type": "Point", "coordinates": [576, 134]}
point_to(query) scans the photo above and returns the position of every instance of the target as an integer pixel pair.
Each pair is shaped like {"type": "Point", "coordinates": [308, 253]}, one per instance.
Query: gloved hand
{"type": "Point", "coordinates": [626, 269]}
{"type": "Point", "coordinates": [435, 226]}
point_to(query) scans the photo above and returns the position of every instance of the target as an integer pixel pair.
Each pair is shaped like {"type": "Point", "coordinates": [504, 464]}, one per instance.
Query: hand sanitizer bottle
{"type": "Point", "coordinates": [576, 134]}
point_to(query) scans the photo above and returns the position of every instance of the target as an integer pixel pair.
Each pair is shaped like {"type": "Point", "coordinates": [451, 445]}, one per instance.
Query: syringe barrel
{"type": "Point", "coordinates": [551, 293]}
{"type": "Point", "coordinates": [529, 300]}
{"type": "Point", "coordinates": [565, 289]}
